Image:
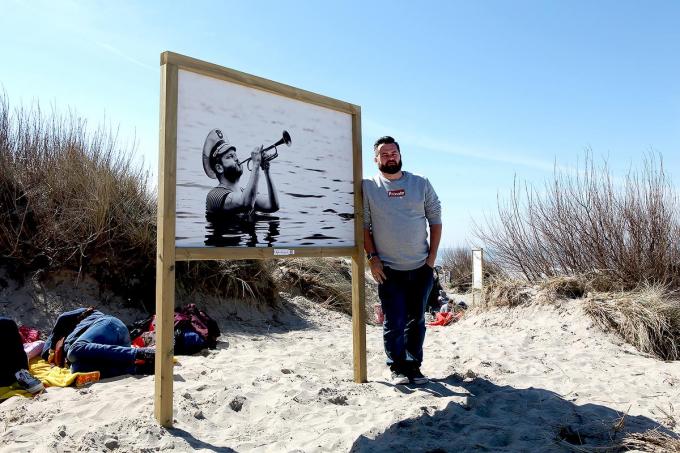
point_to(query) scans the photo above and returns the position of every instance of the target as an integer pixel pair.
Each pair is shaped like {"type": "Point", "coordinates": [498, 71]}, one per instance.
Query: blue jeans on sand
{"type": "Point", "coordinates": [13, 358]}
{"type": "Point", "coordinates": [403, 297]}
{"type": "Point", "coordinates": [105, 346]}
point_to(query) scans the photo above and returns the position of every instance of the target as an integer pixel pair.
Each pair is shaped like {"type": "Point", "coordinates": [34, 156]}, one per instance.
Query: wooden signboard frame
{"type": "Point", "coordinates": [167, 253]}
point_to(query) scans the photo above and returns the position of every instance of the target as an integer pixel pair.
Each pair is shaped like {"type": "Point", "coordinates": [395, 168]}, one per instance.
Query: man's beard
{"type": "Point", "coordinates": [233, 173]}
{"type": "Point", "coordinates": [390, 169]}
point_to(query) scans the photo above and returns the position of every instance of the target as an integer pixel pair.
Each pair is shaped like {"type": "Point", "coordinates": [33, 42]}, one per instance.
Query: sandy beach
{"type": "Point", "coordinates": [537, 378]}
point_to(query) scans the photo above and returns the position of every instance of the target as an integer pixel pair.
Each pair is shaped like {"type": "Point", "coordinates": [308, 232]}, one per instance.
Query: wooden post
{"type": "Point", "coordinates": [165, 246]}
{"type": "Point", "coordinates": [358, 261]}
{"type": "Point", "coordinates": [359, 319]}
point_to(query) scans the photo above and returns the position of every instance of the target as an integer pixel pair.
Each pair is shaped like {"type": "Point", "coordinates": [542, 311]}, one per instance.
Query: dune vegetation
{"type": "Point", "coordinates": [622, 233]}
{"type": "Point", "coordinates": [611, 244]}
{"type": "Point", "coordinates": [72, 200]}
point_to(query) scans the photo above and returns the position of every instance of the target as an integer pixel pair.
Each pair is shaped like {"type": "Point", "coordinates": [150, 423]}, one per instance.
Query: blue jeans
{"type": "Point", "coordinates": [403, 296]}
{"type": "Point", "coordinates": [13, 357]}
{"type": "Point", "coordinates": [105, 346]}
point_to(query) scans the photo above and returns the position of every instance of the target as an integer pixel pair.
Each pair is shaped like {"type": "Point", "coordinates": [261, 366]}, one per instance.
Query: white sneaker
{"type": "Point", "coordinates": [28, 382]}
{"type": "Point", "coordinates": [398, 378]}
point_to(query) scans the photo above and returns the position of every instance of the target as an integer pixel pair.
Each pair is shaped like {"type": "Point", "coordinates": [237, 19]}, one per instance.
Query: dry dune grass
{"type": "Point", "coordinates": [584, 220]}
{"type": "Point", "coordinates": [512, 292]}
{"type": "Point", "coordinates": [651, 441]}
{"type": "Point", "coordinates": [648, 318]}
{"type": "Point", "coordinates": [507, 292]}
{"type": "Point", "coordinates": [569, 287]}
{"type": "Point", "coordinates": [72, 200]}
{"type": "Point", "coordinates": [614, 245]}
{"type": "Point", "coordinates": [327, 281]}
{"type": "Point", "coordinates": [250, 280]}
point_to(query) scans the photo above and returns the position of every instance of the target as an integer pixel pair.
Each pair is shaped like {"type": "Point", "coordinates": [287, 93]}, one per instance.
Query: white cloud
{"type": "Point", "coordinates": [115, 51]}
{"type": "Point", "coordinates": [443, 146]}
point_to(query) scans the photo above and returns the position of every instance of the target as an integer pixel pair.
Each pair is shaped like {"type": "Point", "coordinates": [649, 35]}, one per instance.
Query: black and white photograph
{"type": "Point", "coordinates": [258, 169]}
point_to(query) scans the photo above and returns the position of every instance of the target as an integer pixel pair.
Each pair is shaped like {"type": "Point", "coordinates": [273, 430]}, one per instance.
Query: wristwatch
{"type": "Point", "coordinates": [371, 255]}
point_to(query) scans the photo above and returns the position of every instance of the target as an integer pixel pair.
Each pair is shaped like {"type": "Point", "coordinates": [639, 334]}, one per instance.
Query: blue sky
{"type": "Point", "coordinates": [476, 92]}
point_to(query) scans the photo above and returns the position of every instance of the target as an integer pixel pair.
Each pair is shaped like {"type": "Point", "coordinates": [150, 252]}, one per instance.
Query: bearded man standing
{"type": "Point", "coordinates": [398, 209]}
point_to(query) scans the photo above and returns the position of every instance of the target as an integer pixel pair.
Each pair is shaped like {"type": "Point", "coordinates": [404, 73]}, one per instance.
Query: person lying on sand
{"type": "Point", "coordinates": [89, 340]}
{"type": "Point", "coordinates": [14, 364]}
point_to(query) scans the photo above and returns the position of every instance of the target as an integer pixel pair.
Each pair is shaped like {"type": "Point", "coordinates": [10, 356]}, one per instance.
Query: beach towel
{"type": "Point", "coordinates": [50, 376]}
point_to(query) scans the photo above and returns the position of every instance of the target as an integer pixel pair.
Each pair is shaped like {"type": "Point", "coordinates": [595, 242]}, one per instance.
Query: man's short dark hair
{"type": "Point", "coordinates": [386, 140]}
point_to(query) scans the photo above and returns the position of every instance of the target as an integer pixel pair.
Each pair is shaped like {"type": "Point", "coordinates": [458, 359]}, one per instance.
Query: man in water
{"type": "Point", "coordinates": [229, 197]}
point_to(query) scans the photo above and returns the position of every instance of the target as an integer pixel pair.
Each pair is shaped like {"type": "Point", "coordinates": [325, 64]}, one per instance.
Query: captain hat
{"type": "Point", "coordinates": [216, 144]}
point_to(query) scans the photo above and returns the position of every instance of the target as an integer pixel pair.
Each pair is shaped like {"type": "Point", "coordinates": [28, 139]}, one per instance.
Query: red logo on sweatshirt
{"type": "Point", "coordinates": [396, 193]}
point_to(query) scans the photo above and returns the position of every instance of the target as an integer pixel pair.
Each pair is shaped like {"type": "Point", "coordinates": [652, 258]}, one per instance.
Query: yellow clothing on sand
{"type": "Point", "coordinates": [50, 376]}
{"type": "Point", "coordinates": [12, 390]}
{"type": "Point", "coordinates": [53, 376]}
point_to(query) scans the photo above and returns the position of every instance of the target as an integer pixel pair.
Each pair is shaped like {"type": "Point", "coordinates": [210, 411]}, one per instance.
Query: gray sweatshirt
{"type": "Point", "coordinates": [397, 213]}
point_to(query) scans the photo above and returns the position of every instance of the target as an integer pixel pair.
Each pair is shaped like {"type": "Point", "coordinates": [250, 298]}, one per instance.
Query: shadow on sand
{"type": "Point", "coordinates": [504, 419]}
{"type": "Point", "coordinates": [197, 444]}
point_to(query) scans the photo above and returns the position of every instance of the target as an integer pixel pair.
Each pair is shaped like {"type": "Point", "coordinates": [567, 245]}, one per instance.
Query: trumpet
{"type": "Point", "coordinates": [285, 139]}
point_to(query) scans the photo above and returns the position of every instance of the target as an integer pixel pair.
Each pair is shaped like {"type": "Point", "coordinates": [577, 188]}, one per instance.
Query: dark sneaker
{"type": "Point", "coordinates": [416, 377]}
{"type": "Point", "coordinates": [28, 382]}
{"type": "Point", "coordinates": [145, 361]}
{"type": "Point", "coordinates": [146, 354]}
{"type": "Point", "coordinates": [398, 378]}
